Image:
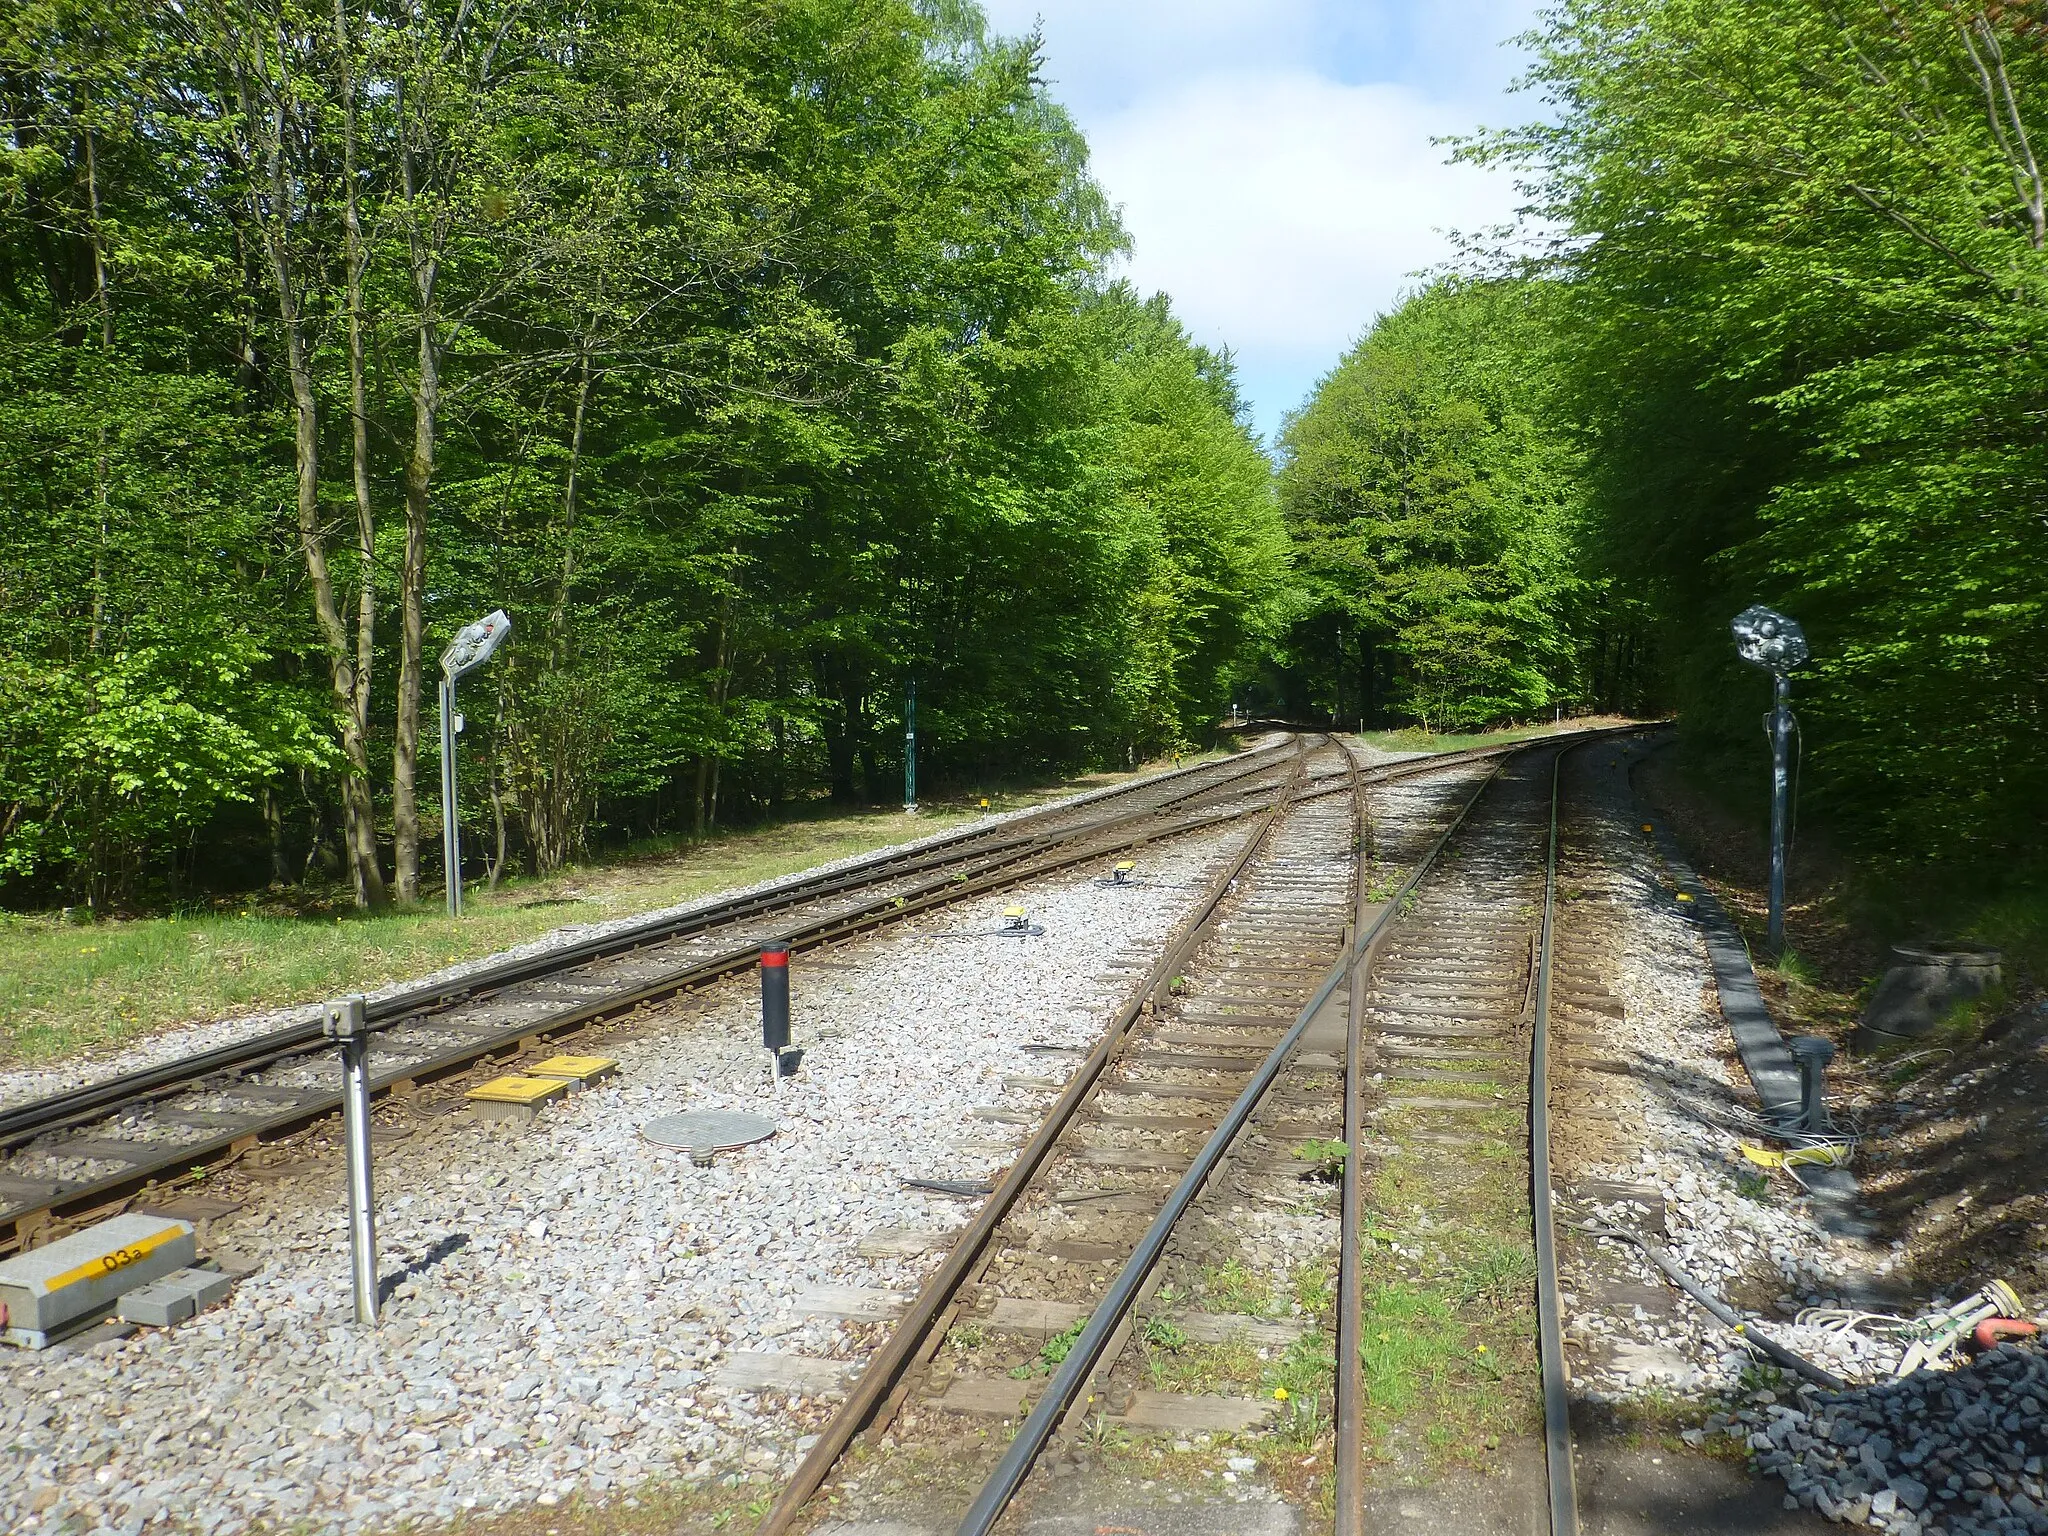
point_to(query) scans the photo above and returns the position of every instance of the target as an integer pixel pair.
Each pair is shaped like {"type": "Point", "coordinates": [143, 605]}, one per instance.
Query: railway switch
{"type": "Point", "coordinates": [80, 1279]}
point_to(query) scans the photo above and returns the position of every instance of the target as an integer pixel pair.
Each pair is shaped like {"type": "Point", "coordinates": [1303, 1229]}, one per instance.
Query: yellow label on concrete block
{"type": "Point", "coordinates": [582, 1069]}
{"type": "Point", "coordinates": [114, 1258]}
{"type": "Point", "coordinates": [519, 1090]}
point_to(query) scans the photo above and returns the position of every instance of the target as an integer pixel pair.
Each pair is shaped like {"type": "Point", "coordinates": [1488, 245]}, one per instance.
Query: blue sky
{"type": "Point", "coordinates": [1273, 160]}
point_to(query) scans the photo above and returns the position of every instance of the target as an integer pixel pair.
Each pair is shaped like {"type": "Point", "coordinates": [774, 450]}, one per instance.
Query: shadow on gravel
{"type": "Point", "coordinates": [450, 1245]}
{"type": "Point", "coordinates": [1631, 1485]}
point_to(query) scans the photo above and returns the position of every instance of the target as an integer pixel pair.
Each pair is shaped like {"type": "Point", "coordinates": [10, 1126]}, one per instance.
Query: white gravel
{"type": "Point", "coordinates": [1679, 1046]}
{"type": "Point", "coordinates": [569, 1345]}
{"type": "Point", "coordinates": [20, 1085]}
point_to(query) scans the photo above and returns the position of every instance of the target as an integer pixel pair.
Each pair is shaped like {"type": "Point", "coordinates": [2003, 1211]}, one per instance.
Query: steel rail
{"type": "Point", "coordinates": [89, 1102]}
{"type": "Point", "coordinates": [1557, 1427]}
{"type": "Point", "coordinates": [18, 1223]}
{"type": "Point", "coordinates": [180, 1160]}
{"type": "Point", "coordinates": [42, 1114]}
{"type": "Point", "coordinates": [1557, 1424]}
{"type": "Point", "coordinates": [1349, 1414]}
{"type": "Point", "coordinates": [1104, 1320]}
{"type": "Point", "coordinates": [914, 1330]}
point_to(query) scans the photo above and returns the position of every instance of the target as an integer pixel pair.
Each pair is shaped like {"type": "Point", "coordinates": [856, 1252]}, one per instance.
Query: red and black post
{"type": "Point", "coordinates": [775, 1005]}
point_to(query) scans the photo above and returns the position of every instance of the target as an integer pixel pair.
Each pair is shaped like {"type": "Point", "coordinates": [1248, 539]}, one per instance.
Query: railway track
{"type": "Point", "coordinates": [71, 1157]}
{"type": "Point", "coordinates": [1391, 990]}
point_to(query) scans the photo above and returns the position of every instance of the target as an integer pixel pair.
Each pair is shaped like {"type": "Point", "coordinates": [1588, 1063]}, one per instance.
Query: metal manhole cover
{"type": "Point", "coordinates": [701, 1132]}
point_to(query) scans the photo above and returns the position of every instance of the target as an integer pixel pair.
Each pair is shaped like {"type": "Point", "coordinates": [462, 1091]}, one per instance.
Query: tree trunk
{"type": "Point", "coordinates": [706, 808]}
{"type": "Point", "coordinates": [358, 386]}
{"type": "Point", "coordinates": [412, 572]}
{"type": "Point", "coordinates": [358, 813]}
{"type": "Point", "coordinates": [840, 737]}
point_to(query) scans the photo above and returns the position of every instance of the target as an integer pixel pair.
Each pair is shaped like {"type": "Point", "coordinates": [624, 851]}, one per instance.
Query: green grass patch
{"type": "Point", "coordinates": [1052, 1352]}
{"type": "Point", "coordinates": [1415, 739]}
{"type": "Point", "coordinates": [1236, 1287]}
{"type": "Point", "coordinates": [1199, 1368]}
{"type": "Point", "coordinates": [1406, 1346]}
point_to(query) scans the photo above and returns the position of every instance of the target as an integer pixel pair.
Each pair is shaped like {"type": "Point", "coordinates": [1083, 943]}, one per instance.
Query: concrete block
{"type": "Point", "coordinates": [204, 1286]}
{"type": "Point", "coordinates": [78, 1279]}
{"type": "Point", "coordinates": [157, 1306]}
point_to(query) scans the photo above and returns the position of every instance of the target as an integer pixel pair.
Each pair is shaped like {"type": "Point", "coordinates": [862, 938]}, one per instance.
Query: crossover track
{"type": "Point", "coordinates": [1439, 993]}
{"type": "Point", "coordinates": [74, 1156]}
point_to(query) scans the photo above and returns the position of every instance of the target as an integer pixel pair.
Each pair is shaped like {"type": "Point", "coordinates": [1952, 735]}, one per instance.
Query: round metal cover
{"type": "Point", "coordinates": [702, 1131]}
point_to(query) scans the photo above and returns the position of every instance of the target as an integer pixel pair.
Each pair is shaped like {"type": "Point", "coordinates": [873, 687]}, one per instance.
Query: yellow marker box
{"type": "Point", "coordinates": [578, 1071]}
{"type": "Point", "coordinates": [514, 1098]}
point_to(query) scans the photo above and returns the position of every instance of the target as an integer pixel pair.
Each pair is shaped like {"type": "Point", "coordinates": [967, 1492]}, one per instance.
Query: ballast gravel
{"type": "Point", "coordinates": [1675, 1119]}
{"type": "Point", "coordinates": [22, 1085]}
{"type": "Point", "coordinates": [567, 1293]}
{"type": "Point", "coordinates": [1940, 1453]}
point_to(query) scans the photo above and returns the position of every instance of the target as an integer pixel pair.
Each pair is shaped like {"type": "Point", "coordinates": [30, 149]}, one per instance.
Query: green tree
{"type": "Point", "coordinates": [1432, 485]}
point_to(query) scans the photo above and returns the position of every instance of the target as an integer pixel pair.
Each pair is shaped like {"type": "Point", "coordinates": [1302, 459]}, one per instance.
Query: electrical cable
{"type": "Point", "coordinates": [1777, 1353]}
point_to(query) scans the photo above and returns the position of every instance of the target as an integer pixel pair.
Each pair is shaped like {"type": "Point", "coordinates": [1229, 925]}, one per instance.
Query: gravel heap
{"type": "Point", "coordinates": [571, 1291]}
{"type": "Point", "coordinates": [1941, 1453]}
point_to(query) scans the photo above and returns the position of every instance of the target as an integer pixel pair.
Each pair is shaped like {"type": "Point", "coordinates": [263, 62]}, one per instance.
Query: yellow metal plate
{"type": "Point", "coordinates": [113, 1259]}
{"type": "Point", "coordinates": [519, 1090]}
{"type": "Point", "coordinates": [583, 1069]}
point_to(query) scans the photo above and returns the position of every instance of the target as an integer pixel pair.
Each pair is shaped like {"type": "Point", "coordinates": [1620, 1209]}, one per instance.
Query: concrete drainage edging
{"type": "Point", "coordinates": [1759, 1042]}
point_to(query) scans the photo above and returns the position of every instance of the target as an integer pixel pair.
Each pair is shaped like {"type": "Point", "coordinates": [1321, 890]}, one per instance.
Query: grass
{"type": "Point", "coordinates": [66, 989]}
{"type": "Point", "coordinates": [1236, 1287]}
{"type": "Point", "coordinates": [1053, 1352]}
{"type": "Point", "coordinates": [1447, 1342]}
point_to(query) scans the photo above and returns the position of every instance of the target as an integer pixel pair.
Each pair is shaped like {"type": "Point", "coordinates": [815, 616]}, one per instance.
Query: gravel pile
{"type": "Point", "coordinates": [570, 1291]}
{"type": "Point", "coordinates": [1948, 1453]}
{"type": "Point", "coordinates": [22, 1085]}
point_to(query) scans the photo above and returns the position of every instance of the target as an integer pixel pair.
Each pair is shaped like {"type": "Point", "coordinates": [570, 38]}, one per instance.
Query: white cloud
{"type": "Point", "coordinates": [1273, 157]}
{"type": "Point", "coordinates": [1282, 209]}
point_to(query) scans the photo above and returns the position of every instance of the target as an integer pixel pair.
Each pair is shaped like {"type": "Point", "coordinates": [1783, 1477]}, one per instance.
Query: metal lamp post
{"type": "Point", "coordinates": [910, 749]}
{"type": "Point", "coordinates": [474, 645]}
{"type": "Point", "coordinates": [1766, 638]}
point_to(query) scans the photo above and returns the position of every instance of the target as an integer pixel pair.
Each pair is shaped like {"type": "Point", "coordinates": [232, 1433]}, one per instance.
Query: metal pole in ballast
{"type": "Point", "coordinates": [1781, 799]}
{"type": "Point", "coordinates": [347, 1024]}
{"type": "Point", "coordinates": [1768, 639]}
{"type": "Point", "coordinates": [473, 645]}
{"type": "Point", "coordinates": [910, 749]}
{"type": "Point", "coordinates": [451, 829]}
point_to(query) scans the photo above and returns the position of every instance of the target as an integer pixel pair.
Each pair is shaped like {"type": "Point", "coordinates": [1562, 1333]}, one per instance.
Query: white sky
{"type": "Point", "coordinates": [1273, 160]}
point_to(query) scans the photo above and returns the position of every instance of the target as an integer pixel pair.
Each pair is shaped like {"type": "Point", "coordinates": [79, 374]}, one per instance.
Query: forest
{"type": "Point", "coordinates": [759, 360]}
{"type": "Point", "coordinates": [766, 360]}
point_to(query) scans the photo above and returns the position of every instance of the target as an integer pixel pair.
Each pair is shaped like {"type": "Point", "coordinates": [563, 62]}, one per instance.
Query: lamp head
{"type": "Point", "coordinates": [474, 644]}
{"type": "Point", "coordinates": [1765, 638]}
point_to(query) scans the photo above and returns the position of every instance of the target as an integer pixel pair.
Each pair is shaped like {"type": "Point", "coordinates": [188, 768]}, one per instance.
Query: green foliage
{"type": "Point", "coordinates": [1052, 1352]}
{"type": "Point", "coordinates": [1433, 490]}
{"type": "Point", "coordinates": [1803, 249]}
{"type": "Point", "coordinates": [774, 366]}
